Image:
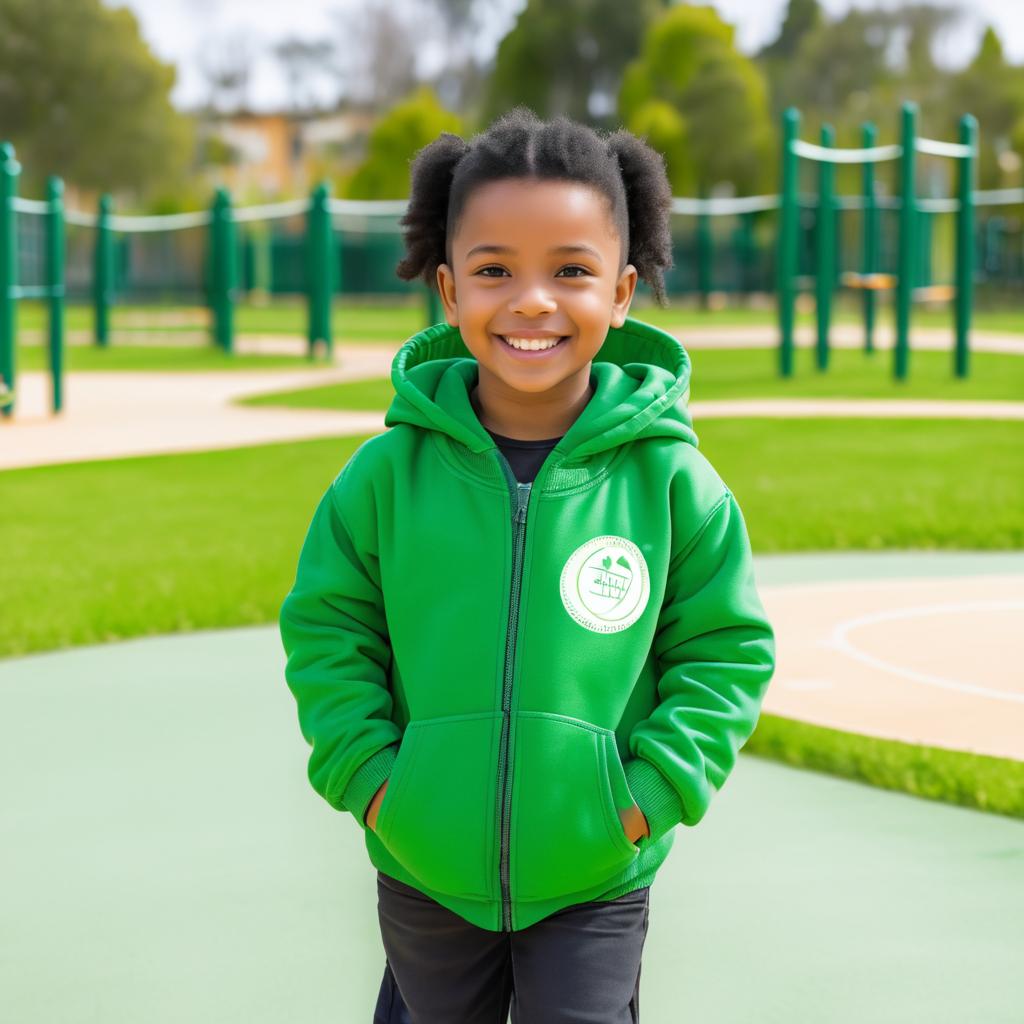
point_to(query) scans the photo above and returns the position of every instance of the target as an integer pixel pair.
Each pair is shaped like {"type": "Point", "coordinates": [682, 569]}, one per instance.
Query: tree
{"type": "Point", "coordinates": [460, 75]}
{"type": "Point", "coordinates": [407, 127]}
{"type": "Point", "coordinates": [567, 58]}
{"type": "Point", "coordinates": [376, 54]}
{"type": "Point", "coordinates": [993, 91]}
{"type": "Point", "coordinates": [802, 17]}
{"type": "Point", "coordinates": [721, 129]}
{"type": "Point", "coordinates": [226, 67]}
{"type": "Point", "coordinates": [839, 59]}
{"type": "Point", "coordinates": [304, 61]}
{"type": "Point", "coordinates": [81, 95]}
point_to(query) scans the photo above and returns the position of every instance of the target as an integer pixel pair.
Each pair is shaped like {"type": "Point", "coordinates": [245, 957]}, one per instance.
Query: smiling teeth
{"type": "Point", "coordinates": [532, 344]}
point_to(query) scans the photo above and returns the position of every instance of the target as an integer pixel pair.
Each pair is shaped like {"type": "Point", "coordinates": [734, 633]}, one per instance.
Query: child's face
{"type": "Point", "coordinates": [531, 289]}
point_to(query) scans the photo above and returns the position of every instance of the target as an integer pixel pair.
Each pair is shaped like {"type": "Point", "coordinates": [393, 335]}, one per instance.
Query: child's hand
{"type": "Point", "coordinates": [634, 823]}
{"type": "Point", "coordinates": [374, 808]}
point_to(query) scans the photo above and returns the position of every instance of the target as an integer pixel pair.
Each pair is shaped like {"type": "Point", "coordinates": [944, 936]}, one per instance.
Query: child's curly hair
{"type": "Point", "coordinates": [520, 145]}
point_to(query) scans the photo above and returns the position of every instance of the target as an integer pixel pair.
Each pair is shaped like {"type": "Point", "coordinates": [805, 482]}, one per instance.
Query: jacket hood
{"type": "Point", "coordinates": [641, 379]}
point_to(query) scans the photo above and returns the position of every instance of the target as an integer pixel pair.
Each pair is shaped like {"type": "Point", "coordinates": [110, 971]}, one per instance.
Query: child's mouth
{"type": "Point", "coordinates": [530, 348]}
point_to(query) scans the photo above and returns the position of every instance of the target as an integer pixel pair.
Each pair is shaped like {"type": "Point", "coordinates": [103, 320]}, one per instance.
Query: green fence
{"type": "Point", "coordinates": [809, 238]}
{"type": "Point", "coordinates": [32, 253]}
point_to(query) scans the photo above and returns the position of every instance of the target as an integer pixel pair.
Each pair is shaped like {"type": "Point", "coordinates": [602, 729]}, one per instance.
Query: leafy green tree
{"type": "Point", "coordinates": [82, 96]}
{"type": "Point", "coordinates": [839, 60]}
{"type": "Point", "coordinates": [666, 130]}
{"type": "Point", "coordinates": [802, 17]}
{"type": "Point", "coordinates": [407, 127]}
{"type": "Point", "coordinates": [721, 131]}
{"type": "Point", "coordinates": [567, 58]}
{"type": "Point", "coordinates": [993, 91]}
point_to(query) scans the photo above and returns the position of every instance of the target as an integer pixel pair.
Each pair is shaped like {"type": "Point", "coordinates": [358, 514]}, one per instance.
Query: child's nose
{"type": "Point", "coordinates": [532, 300]}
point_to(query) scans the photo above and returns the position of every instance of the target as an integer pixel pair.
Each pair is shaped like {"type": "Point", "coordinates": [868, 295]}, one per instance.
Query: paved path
{"type": "Point", "coordinates": [162, 851]}
{"type": "Point", "coordinates": [117, 414]}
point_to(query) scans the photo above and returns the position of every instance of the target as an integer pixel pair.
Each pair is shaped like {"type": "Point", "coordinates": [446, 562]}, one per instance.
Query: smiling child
{"type": "Point", "coordinates": [524, 637]}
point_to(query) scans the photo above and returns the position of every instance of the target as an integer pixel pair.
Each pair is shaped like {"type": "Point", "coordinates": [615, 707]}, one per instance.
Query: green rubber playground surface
{"type": "Point", "coordinates": [165, 860]}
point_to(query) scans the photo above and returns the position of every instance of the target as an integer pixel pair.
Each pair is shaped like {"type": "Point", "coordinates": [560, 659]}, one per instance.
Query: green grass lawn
{"type": "Point", "coordinates": [352, 321]}
{"type": "Point", "coordinates": [161, 358]}
{"type": "Point", "coordinates": [113, 549]}
{"type": "Point", "coordinates": [751, 373]}
{"type": "Point", "coordinates": [979, 781]}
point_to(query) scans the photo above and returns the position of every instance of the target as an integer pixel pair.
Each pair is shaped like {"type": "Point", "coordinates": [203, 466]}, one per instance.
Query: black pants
{"type": "Point", "coordinates": [580, 963]}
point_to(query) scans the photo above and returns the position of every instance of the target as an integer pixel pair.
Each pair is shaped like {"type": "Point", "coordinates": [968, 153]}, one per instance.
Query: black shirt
{"type": "Point", "coordinates": [525, 457]}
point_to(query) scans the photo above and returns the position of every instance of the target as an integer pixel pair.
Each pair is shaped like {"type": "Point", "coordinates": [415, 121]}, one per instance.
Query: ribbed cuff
{"type": "Point", "coordinates": [654, 795]}
{"type": "Point", "coordinates": [368, 778]}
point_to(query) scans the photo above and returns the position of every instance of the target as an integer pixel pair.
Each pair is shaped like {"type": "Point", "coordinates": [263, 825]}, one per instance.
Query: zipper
{"type": "Point", "coordinates": [520, 495]}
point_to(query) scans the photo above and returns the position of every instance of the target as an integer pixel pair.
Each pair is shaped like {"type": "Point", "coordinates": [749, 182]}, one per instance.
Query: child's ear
{"type": "Point", "coordinates": [624, 289]}
{"type": "Point", "coordinates": [446, 289]}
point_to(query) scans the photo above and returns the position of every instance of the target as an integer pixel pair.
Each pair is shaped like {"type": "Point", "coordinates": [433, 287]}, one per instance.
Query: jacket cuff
{"type": "Point", "coordinates": [654, 795]}
{"type": "Point", "coordinates": [367, 779]}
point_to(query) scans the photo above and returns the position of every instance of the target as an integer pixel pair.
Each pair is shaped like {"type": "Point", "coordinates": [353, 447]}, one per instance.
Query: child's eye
{"type": "Point", "coordinates": [484, 271]}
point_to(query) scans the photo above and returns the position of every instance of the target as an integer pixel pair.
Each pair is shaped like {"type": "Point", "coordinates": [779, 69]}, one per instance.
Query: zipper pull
{"type": "Point", "coordinates": [522, 498]}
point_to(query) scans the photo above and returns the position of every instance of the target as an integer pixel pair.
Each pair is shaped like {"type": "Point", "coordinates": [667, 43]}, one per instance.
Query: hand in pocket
{"type": "Point", "coordinates": [374, 808]}
{"type": "Point", "coordinates": [634, 824]}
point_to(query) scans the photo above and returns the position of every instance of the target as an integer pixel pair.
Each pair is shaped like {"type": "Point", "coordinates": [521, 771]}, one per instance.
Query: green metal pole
{"type": "Point", "coordinates": [907, 240]}
{"type": "Point", "coordinates": [745, 252]}
{"type": "Point", "coordinates": [9, 170]}
{"type": "Point", "coordinates": [224, 270]}
{"type": "Point", "coordinates": [103, 274]}
{"type": "Point", "coordinates": [321, 259]}
{"type": "Point", "coordinates": [705, 256]}
{"type": "Point", "coordinates": [825, 237]}
{"type": "Point", "coordinates": [789, 222]}
{"type": "Point", "coordinates": [965, 247]}
{"type": "Point", "coordinates": [55, 283]}
{"type": "Point", "coordinates": [869, 235]}
{"type": "Point", "coordinates": [212, 265]}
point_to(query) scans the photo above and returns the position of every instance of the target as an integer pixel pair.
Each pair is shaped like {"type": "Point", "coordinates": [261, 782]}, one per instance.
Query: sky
{"type": "Point", "coordinates": [178, 30]}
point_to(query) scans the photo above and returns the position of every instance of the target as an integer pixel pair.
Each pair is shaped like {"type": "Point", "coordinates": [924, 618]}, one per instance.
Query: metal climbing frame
{"type": "Point", "coordinates": [909, 209]}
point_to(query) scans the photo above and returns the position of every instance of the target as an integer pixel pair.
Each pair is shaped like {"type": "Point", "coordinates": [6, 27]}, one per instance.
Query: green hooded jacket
{"type": "Point", "coordinates": [523, 660]}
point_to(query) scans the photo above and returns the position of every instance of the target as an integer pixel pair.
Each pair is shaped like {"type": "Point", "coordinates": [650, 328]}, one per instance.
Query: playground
{"type": "Point", "coordinates": [177, 395]}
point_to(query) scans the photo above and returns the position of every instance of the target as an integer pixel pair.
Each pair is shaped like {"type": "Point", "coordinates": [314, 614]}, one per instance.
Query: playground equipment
{"type": "Point", "coordinates": [323, 247]}
{"type": "Point", "coordinates": [869, 280]}
{"type": "Point", "coordinates": [203, 250]}
{"type": "Point", "coordinates": [47, 262]}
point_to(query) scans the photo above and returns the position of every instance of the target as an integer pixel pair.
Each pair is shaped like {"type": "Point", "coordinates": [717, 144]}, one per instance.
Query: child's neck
{"type": "Point", "coordinates": [526, 416]}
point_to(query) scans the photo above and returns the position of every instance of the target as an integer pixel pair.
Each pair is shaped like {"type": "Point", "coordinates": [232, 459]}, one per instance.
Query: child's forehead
{"type": "Point", "coordinates": [519, 207]}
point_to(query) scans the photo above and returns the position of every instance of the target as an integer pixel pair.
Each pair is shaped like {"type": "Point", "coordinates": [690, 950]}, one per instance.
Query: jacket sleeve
{"type": "Point", "coordinates": [715, 652]}
{"type": "Point", "coordinates": [335, 636]}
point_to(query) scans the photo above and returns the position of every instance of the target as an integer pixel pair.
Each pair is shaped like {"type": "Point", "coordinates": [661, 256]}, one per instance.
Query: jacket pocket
{"type": "Point", "coordinates": [566, 832]}
{"type": "Point", "coordinates": [437, 818]}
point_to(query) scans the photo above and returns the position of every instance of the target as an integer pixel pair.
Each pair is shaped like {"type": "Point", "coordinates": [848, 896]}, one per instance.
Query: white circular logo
{"type": "Point", "coordinates": [605, 584]}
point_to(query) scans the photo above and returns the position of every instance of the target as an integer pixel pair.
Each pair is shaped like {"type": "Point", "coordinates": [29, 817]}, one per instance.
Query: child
{"type": "Point", "coordinates": [524, 637]}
